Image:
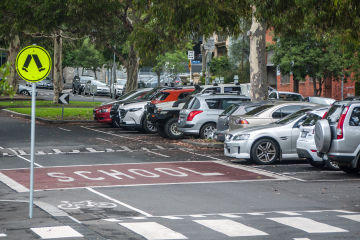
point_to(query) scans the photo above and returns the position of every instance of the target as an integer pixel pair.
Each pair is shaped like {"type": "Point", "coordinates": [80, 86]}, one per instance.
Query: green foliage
{"type": "Point", "coordinates": [220, 66]}
{"type": "Point", "coordinates": [5, 88]}
{"type": "Point", "coordinates": [88, 57]}
{"type": "Point", "coordinates": [172, 62]}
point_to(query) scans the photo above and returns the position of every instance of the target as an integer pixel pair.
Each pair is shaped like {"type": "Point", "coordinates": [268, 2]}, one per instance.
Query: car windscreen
{"type": "Point", "coordinates": [229, 110]}
{"type": "Point", "coordinates": [292, 117]}
{"type": "Point", "coordinates": [126, 95]}
{"type": "Point", "coordinates": [150, 94]}
{"type": "Point", "coordinates": [334, 113]}
{"type": "Point", "coordinates": [259, 110]}
{"type": "Point", "coordinates": [311, 119]}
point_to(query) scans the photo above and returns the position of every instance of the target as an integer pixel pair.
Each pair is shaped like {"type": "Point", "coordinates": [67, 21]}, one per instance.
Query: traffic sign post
{"type": "Point", "coordinates": [63, 99]}
{"type": "Point", "coordinates": [190, 57]}
{"type": "Point", "coordinates": [33, 64]}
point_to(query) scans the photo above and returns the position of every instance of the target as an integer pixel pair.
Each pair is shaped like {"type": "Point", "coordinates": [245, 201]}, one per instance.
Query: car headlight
{"type": "Point", "coordinates": [134, 109]}
{"type": "Point", "coordinates": [241, 137]}
{"type": "Point", "coordinates": [228, 137]}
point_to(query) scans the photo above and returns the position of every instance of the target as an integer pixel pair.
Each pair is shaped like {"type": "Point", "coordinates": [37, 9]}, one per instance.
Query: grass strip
{"type": "Point", "coordinates": [41, 103]}
{"type": "Point", "coordinates": [55, 113]}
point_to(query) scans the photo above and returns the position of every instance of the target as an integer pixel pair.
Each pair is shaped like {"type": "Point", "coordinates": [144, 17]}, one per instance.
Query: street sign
{"type": "Point", "coordinates": [33, 63]}
{"type": "Point", "coordinates": [64, 98]}
{"type": "Point", "coordinates": [191, 55]}
{"type": "Point", "coordinates": [93, 89]}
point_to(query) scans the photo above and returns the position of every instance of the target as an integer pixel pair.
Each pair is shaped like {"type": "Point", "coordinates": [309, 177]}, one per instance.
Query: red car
{"type": "Point", "coordinates": [169, 95]}
{"type": "Point", "coordinates": [102, 113]}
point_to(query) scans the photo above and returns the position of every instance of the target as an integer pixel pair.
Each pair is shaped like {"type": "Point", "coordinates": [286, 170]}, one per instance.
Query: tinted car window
{"type": "Point", "coordinates": [248, 109]}
{"type": "Point", "coordinates": [355, 117]}
{"type": "Point", "coordinates": [284, 111]}
{"type": "Point", "coordinates": [311, 119]}
{"type": "Point", "coordinates": [229, 101]}
{"type": "Point", "coordinates": [213, 103]}
{"type": "Point", "coordinates": [259, 110]}
{"type": "Point", "coordinates": [232, 89]}
{"type": "Point", "coordinates": [334, 113]}
{"type": "Point", "coordinates": [213, 89]}
{"type": "Point", "coordinates": [195, 104]}
{"type": "Point", "coordinates": [161, 96]}
{"type": "Point", "coordinates": [183, 95]}
{"type": "Point", "coordinates": [230, 109]}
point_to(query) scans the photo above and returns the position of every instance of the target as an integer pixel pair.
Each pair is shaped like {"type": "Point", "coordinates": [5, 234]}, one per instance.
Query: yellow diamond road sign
{"type": "Point", "coordinates": [33, 63]}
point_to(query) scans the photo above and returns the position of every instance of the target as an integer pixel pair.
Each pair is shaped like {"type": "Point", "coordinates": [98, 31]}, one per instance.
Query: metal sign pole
{"type": "Point", "coordinates": [32, 151]}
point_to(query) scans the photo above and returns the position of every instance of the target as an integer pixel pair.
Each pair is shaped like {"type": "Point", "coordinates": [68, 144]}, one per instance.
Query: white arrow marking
{"type": "Point", "coordinates": [62, 98]}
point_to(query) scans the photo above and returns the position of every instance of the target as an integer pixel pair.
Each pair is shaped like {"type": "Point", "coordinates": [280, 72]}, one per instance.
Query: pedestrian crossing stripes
{"type": "Point", "coordinates": [11, 152]}
{"type": "Point", "coordinates": [325, 222]}
{"type": "Point", "coordinates": [56, 232]}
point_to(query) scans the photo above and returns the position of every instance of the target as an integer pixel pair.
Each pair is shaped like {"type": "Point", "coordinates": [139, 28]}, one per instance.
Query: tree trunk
{"type": "Point", "coordinates": [257, 59]}
{"type": "Point", "coordinates": [295, 84]}
{"type": "Point", "coordinates": [158, 78]}
{"type": "Point", "coordinates": [58, 83]}
{"type": "Point", "coordinates": [132, 68]}
{"type": "Point", "coordinates": [13, 51]}
{"type": "Point", "coordinates": [314, 86]}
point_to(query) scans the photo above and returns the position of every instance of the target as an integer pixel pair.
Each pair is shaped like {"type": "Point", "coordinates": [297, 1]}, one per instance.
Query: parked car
{"type": "Point", "coordinates": [305, 145]}
{"type": "Point", "coordinates": [337, 135]}
{"type": "Point", "coordinates": [103, 113]}
{"type": "Point", "coordinates": [101, 88]}
{"type": "Point", "coordinates": [320, 100]}
{"type": "Point", "coordinates": [286, 96]}
{"type": "Point", "coordinates": [267, 143]}
{"type": "Point", "coordinates": [134, 116]}
{"type": "Point", "coordinates": [266, 114]}
{"type": "Point", "coordinates": [199, 115]}
{"type": "Point", "coordinates": [79, 82]}
{"type": "Point", "coordinates": [241, 108]}
{"type": "Point", "coordinates": [46, 83]}
{"type": "Point", "coordinates": [118, 88]}
{"type": "Point", "coordinates": [25, 90]}
{"type": "Point", "coordinates": [242, 89]}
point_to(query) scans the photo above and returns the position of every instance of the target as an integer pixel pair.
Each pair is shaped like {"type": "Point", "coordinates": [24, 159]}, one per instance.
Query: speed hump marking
{"type": "Point", "coordinates": [33, 63]}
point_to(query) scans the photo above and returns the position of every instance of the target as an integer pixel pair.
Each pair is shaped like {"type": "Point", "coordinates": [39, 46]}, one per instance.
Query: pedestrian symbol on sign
{"type": "Point", "coordinates": [37, 61]}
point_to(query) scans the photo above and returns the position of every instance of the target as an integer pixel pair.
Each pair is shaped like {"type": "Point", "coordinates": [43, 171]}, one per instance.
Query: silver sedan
{"type": "Point", "coordinates": [264, 144]}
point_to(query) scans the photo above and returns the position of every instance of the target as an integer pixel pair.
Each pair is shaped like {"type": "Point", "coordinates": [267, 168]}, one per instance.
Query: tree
{"type": "Point", "coordinates": [88, 57]}
{"type": "Point", "coordinates": [220, 66]}
{"type": "Point", "coordinates": [305, 55]}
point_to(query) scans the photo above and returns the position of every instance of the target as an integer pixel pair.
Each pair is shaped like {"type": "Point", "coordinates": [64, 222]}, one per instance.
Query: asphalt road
{"type": "Point", "coordinates": [120, 184]}
{"type": "Point", "coordinates": [47, 94]}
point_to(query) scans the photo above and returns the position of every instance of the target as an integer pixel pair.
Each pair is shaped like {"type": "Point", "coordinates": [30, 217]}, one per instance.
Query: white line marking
{"type": "Point", "coordinates": [112, 220]}
{"type": "Point", "coordinates": [255, 214]}
{"type": "Point", "coordinates": [119, 202]}
{"type": "Point", "coordinates": [160, 147]}
{"type": "Point", "coordinates": [56, 232]}
{"type": "Point", "coordinates": [343, 211]}
{"type": "Point", "coordinates": [75, 151]}
{"type": "Point", "coordinates": [159, 154]}
{"type": "Point", "coordinates": [139, 218]}
{"type": "Point", "coordinates": [126, 149]}
{"type": "Point", "coordinates": [307, 225]}
{"type": "Point", "coordinates": [51, 209]}
{"type": "Point", "coordinates": [102, 139]}
{"type": "Point", "coordinates": [153, 231]}
{"type": "Point", "coordinates": [74, 219]}
{"type": "Point", "coordinates": [351, 217]}
{"type": "Point", "coordinates": [65, 129]}
{"type": "Point", "coordinates": [22, 152]}
{"type": "Point", "coordinates": [302, 239]}
{"type": "Point", "coordinates": [12, 183]}
{"type": "Point", "coordinates": [13, 151]}
{"type": "Point", "coordinates": [3, 235]}
{"type": "Point", "coordinates": [113, 134]}
{"type": "Point", "coordinates": [5, 154]}
{"type": "Point", "coordinates": [41, 153]}
{"type": "Point", "coordinates": [1, 147]}
{"type": "Point", "coordinates": [171, 217]}
{"type": "Point", "coordinates": [197, 216]}
{"type": "Point", "coordinates": [36, 164]}
{"type": "Point", "coordinates": [93, 150]}
{"type": "Point", "coordinates": [57, 151]}
{"type": "Point", "coordinates": [110, 150]}
{"type": "Point", "coordinates": [289, 213]}
{"type": "Point", "coordinates": [229, 215]}
{"type": "Point", "coordinates": [231, 228]}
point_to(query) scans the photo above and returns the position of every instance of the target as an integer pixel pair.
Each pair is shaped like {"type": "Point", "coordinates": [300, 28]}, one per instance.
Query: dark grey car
{"type": "Point", "coordinates": [235, 109]}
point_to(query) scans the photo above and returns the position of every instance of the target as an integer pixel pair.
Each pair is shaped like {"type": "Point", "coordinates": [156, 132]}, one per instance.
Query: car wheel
{"type": "Point", "coordinates": [25, 93]}
{"type": "Point", "coordinates": [171, 129]}
{"type": "Point", "coordinates": [265, 151]}
{"type": "Point", "coordinates": [332, 165]}
{"type": "Point", "coordinates": [207, 131]}
{"type": "Point", "coordinates": [316, 164]}
{"type": "Point", "coordinates": [348, 170]}
{"type": "Point", "coordinates": [149, 127]}
{"type": "Point", "coordinates": [115, 122]}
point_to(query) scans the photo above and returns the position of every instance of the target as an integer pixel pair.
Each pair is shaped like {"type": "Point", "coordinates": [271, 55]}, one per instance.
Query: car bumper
{"type": "Point", "coordinates": [303, 149]}
{"type": "Point", "coordinates": [238, 149]}
{"type": "Point", "coordinates": [219, 136]}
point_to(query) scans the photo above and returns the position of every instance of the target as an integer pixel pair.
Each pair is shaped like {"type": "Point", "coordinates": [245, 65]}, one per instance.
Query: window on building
{"type": "Point", "coordinates": [285, 79]}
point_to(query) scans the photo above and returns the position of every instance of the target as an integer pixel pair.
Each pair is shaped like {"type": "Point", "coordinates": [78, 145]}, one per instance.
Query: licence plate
{"type": "Point", "coordinates": [303, 134]}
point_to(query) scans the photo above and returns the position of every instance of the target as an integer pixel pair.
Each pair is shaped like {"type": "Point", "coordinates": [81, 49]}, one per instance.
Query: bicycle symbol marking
{"type": "Point", "coordinates": [85, 204]}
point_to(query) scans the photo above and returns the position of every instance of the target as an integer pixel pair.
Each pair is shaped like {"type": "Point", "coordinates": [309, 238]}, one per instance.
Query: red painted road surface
{"type": "Point", "coordinates": [131, 174]}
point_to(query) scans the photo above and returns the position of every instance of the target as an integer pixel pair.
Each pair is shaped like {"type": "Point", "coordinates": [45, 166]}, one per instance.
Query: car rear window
{"type": "Point", "coordinates": [192, 103]}
{"type": "Point", "coordinates": [259, 110]}
{"type": "Point", "coordinates": [311, 119]}
{"type": "Point", "coordinates": [213, 103]}
{"type": "Point", "coordinates": [232, 89]}
{"type": "Point", "coordinates": [334, 113]}
{"type": "Point", "coordinates": [212, 89]}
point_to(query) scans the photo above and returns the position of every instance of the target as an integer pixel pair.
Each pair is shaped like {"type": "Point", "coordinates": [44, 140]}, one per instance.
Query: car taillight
{"type": "Point", "coordinates": [323, 117]}
{"type": "Point", "coordinates": [192, 114]}
{"type": "Point", "coordinates": [242, 121]}
{"type": "Point", "coordinates": [340, 126]}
